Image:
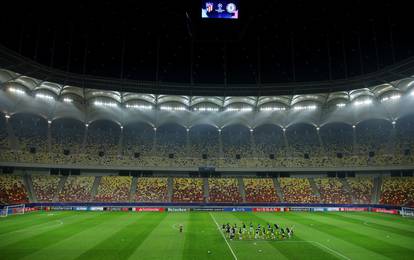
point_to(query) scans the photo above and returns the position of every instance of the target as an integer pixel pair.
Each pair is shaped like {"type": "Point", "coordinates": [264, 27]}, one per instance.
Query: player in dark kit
{"type": "Point", "coordinates": [181, 228]}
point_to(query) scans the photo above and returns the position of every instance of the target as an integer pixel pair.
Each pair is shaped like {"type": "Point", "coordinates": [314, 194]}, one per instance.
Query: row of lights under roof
{"type": "Point", "coordinates": [209, 109]}
{"type": "Point", "coordinates": [7, 116]}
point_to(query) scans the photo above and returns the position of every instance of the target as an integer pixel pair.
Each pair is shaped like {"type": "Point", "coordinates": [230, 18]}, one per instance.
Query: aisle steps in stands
{"type": "Point", "coordinates": [95, 186]}
{"type": "Point", "coordinates": [347, 188]}
{"type": "Point", "coordinates": [376, 193]}
{"type": "Point", "coordinates": [314, 188]}
{"type": "Point", "coordinates": [12, 138]}
{"type": "Point", "coordinates": [121, 143]}
{"type": "Point", "coordinates": [241, 188]}
{"type": "Point", "coordinates": [49, 139]}
{"type": "Point", "coordinates": [278, 189]}
{"type": "Point", "coordinates": [27, 181]}
{"type": "Point", "coordinates": [170, 189]}
{"type": "Point", "coordinates": [206, 190]}
{"type": "Point", "coordinates": [133, 190]}
{"type": "Point", "coordinates": [60, 187]}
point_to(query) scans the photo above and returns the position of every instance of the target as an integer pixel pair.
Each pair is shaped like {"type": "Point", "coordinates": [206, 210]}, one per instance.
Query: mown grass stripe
{"type": "Point", "coordinates": [85, 239]}
{"type": "Point", "coordinates": [365, 222]}
{"type": "Point", "coordinates": [357, 237]}
{"type": "Point", "coordinates": [124, 242]}
{"type": "Point", "coordinates": [32, 244]}
{"type": "Point", "coordinates": [290, 250]}
{"type": "Point", "coordinates": [165, 236]}
{"type": "Point", "coordinates": [310, 232]}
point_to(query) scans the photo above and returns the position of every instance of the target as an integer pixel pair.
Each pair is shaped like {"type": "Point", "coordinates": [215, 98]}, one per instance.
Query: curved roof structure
{"type": "Point", "coordinates": [54, 100]}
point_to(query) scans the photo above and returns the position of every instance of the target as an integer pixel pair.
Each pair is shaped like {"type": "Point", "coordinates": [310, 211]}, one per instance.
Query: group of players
{"type": "Point", "coordinates": [270, 232]}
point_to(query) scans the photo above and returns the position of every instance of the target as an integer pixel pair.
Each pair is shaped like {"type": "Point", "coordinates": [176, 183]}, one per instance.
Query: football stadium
{"type": "Point", "coordinates": [220, 129]}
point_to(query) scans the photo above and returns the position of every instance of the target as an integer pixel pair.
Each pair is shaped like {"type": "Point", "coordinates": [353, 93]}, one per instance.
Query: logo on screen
{"type": "Point", "coordinates": [209, 7]}
{"type": "Point", "coordinates": [220, 8]}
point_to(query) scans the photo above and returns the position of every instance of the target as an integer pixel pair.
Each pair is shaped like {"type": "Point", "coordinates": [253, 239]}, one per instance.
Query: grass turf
{"type": "Point", "coordinates": [148, 235]}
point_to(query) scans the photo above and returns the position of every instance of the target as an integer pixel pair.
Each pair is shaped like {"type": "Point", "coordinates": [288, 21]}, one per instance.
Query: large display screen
{"type": "Point", "coordinates": [220, 9]}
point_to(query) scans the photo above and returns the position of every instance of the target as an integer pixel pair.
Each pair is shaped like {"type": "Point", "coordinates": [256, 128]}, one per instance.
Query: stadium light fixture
{"type": "Point", "coordinates": [317, 128]}
{"type": "Point", "coordinates": [309, 107]}
{"type": "Point", "coordinates": [155, 129]}
{"type": "Point", "coordinates": [86, 125]}
{"type": "Point", "coordinates": [364, 102]}
{"type": "Point", "coordinates": [140, 107]}
{"type": "Point", "coordinates": [104, 104]}
{"type": "Point", "coordinates": [353, 126]}
{"type": "Point", "coordinates": [7, 116]}
{"type": "Point", "coordinates": [412, 92]}
{"type": "Point", "coordinates": [44, 96]}
{"type": "Point", "coordinates": [391, 98]}
{"type": "Point", "coordinates": [242, 109]}
{"type": "Point", "coordinates": [284, 129]}
{"type": "Point", "coordinates": [67, 100]}
{"type": "Point", "coordinates": [16, 91]}
{"type": "Point", "coordinates": [341, 105]}
{"type": "Point", "coordinates": [122, 127]}
{"type": "Point", "coordinates": [206, 109]}
{"type": "Point", "coordinates": [187, 129]}
{"type": "Point", "coordinates": [49, 122]}
{"type": "Point", "coordinates": [271, 109]}
{"type": "Point", "coordinates": [393, 122]}
{"type": "Point", "coordinates": [169, 108]}
{"type": "Point", "coordinates": [219, 130]}
{"type": "Point", "coordinates": [251, 130]}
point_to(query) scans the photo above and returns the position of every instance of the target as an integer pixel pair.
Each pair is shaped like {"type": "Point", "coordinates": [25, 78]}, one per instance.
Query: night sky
{"type": "Point", "coordinates": [273, 41]}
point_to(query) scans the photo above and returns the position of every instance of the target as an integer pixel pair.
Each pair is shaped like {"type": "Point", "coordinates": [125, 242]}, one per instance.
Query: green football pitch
{"type": "Point", "coordinates": [132, 235]}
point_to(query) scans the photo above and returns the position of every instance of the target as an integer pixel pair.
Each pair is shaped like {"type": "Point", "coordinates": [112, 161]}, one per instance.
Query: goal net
{"type": "Point", "coordinates": [12, 210]}
{"type": "Point", "coordinates": [407, 212]}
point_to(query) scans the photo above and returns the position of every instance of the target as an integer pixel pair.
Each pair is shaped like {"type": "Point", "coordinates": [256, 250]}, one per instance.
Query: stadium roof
{"type": "Point", "coordinates": [164, 47]}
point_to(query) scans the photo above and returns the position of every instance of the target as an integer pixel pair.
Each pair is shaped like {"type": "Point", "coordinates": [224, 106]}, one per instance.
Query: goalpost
{"type": "Point", "coordinates": [13, 210]}
{"type": "Point", "coordinates": [407, 212]}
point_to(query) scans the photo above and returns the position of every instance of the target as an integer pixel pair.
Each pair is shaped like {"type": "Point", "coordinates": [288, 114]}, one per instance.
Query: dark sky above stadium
{"type": "Point", "coordinates": [273, 41]}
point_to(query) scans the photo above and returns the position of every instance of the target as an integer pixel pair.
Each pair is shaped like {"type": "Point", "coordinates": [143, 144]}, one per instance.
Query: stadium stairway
{"type": "Point", "coordinates": [27, 181]}
{"type": "Point", "coordinates": [95, 186]}
{"type": "Point", "coordinates": [133, 190]}
{"type": "Point", "coordinates": [278, 190]}
{"type": "Point", "coordinates": [49, 139]}
{"type": "Point", "coordinates": [241, 189]}
{"type": "Point", "coordinates": [347, 188]}
{"type": "Point", "coordinates": [205, 190]}
{"type": "Point", "coordinates": [170, 189]}
{"type": "Point", "coordinates": [12, 138]}
{"type": "Point", "coordinates": [314, 188]}
{"type": "Point", "coordinates": [60, 187]}
{"type": "Point", "coordinates": [376, 193]}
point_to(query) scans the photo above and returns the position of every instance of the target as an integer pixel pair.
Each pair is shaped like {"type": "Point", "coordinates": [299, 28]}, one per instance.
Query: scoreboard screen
{"type": "Point", "coordinates": [220, 9]}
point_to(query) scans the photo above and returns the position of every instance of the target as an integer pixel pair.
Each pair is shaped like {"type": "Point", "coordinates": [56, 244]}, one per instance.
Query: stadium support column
{"type": "Point", "coordinates": [10, 132]}
{"type": "Point", "coordinates": [320, 140]}
{"type": "Point", "coordinates": [253, 144]}
{"type": "Point", "coordinates": [221, 154]}
{"type": "Point", "coordinates": [187, 143]}
{"type": "Point", "coordinates": [285, 140]}
{"type": "Point", "coordinates": [49, 137]}
{"type": "Point", "coordinates": [392, 143]}
{"type": "Point", "coordinates": [354, 139]}
{"type": "Point", "coordinates": [154, 142]}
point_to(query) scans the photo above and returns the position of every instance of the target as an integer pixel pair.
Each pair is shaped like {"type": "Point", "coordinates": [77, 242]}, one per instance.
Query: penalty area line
{"type": "Point", "coordinates": [225, 239]}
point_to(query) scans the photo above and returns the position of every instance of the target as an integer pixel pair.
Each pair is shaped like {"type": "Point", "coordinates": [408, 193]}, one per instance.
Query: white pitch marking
{"type": "Point", "coordinates": [225, 239]}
